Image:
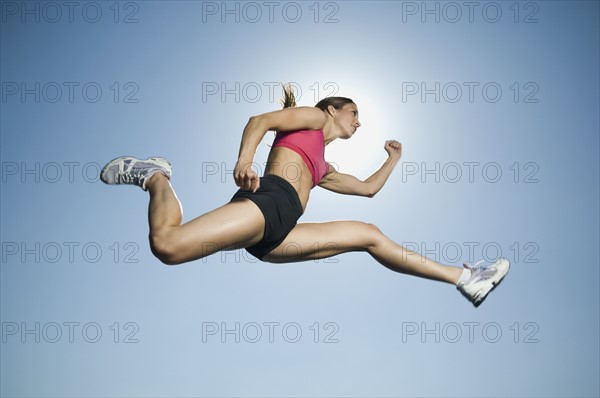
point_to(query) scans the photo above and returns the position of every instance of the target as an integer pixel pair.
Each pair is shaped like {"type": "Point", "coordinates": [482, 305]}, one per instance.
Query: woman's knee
{"type": "Point", "coordinates": [373, 234]}
{"type": "Point", "coordinates": [163, 248]}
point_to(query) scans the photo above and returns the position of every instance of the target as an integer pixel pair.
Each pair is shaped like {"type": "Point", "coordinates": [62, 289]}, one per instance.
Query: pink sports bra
{"type": "Point", "coordinates": [309, 144]}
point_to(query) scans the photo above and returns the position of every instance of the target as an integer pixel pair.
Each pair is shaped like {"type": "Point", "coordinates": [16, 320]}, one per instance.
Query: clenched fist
{"type": "Point", "coordinates": [393, 148]}
{"type": "Point", "coordinates": [245, 177]}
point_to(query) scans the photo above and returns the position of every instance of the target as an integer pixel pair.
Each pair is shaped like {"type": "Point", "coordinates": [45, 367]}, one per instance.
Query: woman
{"type": "Point", "coordinates": [262, 214]}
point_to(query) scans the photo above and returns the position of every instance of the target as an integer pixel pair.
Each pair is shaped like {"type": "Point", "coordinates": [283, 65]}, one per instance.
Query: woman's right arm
{"type": "Point", "coordinates": [287, 119]}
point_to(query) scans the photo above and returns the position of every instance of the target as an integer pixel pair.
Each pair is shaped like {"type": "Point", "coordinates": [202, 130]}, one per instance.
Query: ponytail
{"type": "Point", "coordinates": [289, 99]}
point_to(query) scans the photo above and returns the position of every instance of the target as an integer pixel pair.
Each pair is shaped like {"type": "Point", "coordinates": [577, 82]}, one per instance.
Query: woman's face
{"type": "Point", "coordinates": [347, 120]}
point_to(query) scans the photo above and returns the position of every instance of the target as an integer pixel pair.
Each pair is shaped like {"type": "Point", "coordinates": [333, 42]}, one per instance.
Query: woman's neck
{"type": "Point", "coordinates": [329, 131]}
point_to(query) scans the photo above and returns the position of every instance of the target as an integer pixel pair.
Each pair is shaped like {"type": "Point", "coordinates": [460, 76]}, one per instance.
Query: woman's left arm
{"type": "Point", "coordinates": [350, 185]}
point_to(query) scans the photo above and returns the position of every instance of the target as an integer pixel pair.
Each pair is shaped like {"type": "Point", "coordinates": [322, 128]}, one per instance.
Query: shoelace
{"type": "Point", "coordinates": [477, 266]}
{"type": "Point", "coordinates": [134, 176]}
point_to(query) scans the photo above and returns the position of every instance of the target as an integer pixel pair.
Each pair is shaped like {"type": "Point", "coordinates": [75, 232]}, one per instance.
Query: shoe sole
{"type": "Point", "coordinates": [122, 158]}
{"type": "Point", "coordinates": [494, 285]}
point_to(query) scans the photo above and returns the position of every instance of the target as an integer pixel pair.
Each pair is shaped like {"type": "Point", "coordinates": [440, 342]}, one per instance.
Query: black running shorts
{"type": "Point", "coordinates": [279, 202]}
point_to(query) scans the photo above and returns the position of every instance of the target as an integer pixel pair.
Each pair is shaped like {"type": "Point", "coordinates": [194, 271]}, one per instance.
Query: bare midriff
{"type": "Point", "coordinates": [287, 164]}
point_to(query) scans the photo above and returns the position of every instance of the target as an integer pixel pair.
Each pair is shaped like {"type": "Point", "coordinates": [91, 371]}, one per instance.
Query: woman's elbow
{"type": "Point", "coordinates": [258, 122]}
{"type": "Point", "coordinates": [254, 119]}
{"type": "Point", "coordinates": [369, 191]}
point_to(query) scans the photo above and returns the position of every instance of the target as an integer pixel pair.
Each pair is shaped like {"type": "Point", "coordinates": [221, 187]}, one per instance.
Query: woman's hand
{"type": "Point", "coordinates": [393, 148]}
{"type": "Point", "coordinates": [245, 177]}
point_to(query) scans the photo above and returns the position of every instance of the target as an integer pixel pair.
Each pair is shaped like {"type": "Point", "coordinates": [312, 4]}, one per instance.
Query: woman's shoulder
{"type": "Point", "coordinates": [313, 118]}
{"type": "Point", "coordinates": [295, 119]}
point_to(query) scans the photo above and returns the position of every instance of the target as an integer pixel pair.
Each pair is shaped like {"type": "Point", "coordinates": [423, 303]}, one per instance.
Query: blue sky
{"type": "Point", "coordinates": [495, 103]}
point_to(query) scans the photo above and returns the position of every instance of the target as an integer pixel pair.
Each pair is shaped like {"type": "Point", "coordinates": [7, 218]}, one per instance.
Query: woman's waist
{"type": "Point", "coordinates": [289, 166]}
{"type": "Point", "coordinates": [294, 187]}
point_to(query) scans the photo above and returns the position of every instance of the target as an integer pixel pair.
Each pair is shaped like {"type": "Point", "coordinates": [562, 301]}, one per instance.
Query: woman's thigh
{"type": "Point", "coordinates": [235, 225]}
{"type": "Point", "coordinates": [312, 241]}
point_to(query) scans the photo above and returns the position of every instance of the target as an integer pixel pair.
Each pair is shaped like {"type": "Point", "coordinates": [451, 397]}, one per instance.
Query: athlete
{"type": "Point", "coordinates": [262, 215]}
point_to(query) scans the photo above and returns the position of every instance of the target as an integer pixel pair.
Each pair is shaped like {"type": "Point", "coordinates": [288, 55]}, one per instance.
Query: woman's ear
{"type": "Point", "coordinates": [331, 110]}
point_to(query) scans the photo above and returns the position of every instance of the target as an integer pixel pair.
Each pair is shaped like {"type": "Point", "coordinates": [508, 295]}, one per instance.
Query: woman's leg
{"type": "Point", "coordinates": [310, 241]}
{"type": "Point", "coordinates": [235, 225]}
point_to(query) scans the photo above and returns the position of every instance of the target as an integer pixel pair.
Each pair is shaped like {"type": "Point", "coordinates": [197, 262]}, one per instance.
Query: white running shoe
{"type": "Point", "coordinates": [128, 170]}
{"type": "Point", "coordinates": [484, 278]}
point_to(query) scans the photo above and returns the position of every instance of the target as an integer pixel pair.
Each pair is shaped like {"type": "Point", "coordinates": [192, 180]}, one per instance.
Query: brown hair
{"type": "Point", "coordinates": [336, 102]}
{"type": "Point", "coordinates": [289, 100]}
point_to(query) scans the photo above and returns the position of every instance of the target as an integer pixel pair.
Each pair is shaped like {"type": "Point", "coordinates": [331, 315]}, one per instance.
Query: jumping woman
{"type": "Point", "coordinates": [262, 215]}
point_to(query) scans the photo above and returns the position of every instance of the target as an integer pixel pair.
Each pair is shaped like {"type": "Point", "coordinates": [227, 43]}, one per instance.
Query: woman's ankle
{"type": "Point", "coordinates": [154, 179]}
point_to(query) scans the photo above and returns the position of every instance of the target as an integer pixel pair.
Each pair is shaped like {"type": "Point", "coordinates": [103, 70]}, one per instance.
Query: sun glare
{"type": "Point", "coordinates": [362, 154]}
